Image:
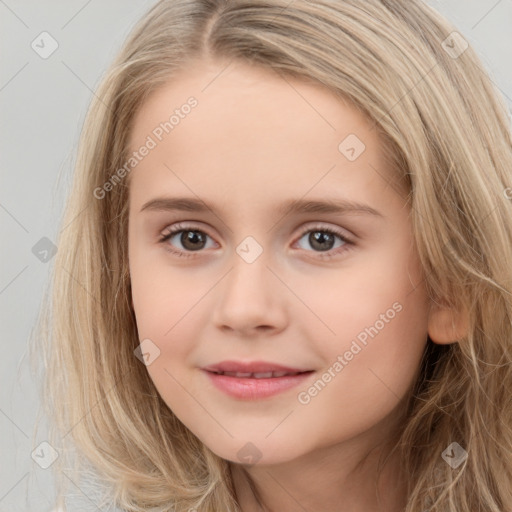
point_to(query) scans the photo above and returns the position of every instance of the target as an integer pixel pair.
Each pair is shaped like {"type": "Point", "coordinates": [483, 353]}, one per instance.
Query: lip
{"type": "Point", "coordinates": [252, 367]}
{"type": "Point", "coordinates": [251, 388]}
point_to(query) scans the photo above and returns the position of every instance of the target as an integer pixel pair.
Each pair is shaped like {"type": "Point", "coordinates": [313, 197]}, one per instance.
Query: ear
{"type": "Point", "coordinates": [447, 325]}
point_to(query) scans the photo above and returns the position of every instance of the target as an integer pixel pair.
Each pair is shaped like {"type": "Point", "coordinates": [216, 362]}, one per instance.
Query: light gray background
{"type": "Point", "coordinates": [43, 104]}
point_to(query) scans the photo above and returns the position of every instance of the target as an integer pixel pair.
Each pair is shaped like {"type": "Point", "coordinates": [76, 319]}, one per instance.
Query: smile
{"type": "Point", "coordinates": [257, 385]}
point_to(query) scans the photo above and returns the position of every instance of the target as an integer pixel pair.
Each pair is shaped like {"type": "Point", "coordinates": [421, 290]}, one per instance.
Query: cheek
{"type": "Point", "coordinates": [368, 369]}
{"type": "Point", "coordinates": [169, 305]}
{"type": "Point", "coordinates": [163, 296]}
{"type": "Point", "coordinates": [164, 302]}
{"type": "Point", "coordinates": [169, 319]}
{"type": "Point", "coordinates": [383, 357]}
{"type": "Point", "coordinates": [369, 291]}
{"type": "Point", "coordinates": [377, 314]}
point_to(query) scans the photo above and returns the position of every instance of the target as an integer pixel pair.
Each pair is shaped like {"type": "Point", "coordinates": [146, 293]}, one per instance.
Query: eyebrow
{"type": "Point", "coordinates": [339, 206]}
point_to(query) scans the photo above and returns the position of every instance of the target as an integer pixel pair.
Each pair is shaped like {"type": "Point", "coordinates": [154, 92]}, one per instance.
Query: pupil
{"type": "Point", "coordinates": [318, 238]}
{"type": "Point", "coordinates": [191, 237]}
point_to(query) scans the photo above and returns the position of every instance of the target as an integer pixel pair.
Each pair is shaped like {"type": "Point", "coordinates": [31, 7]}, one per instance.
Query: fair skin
{"type": "Point", "coordinates": [252, 143]}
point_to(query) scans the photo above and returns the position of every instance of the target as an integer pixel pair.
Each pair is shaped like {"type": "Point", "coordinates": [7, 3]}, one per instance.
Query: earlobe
{"type": "Point", "coordinates": [446, 325]}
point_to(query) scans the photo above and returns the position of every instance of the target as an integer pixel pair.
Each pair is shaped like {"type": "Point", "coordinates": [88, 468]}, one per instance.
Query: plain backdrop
{"type": "Point", "coordinates": [43, 102]}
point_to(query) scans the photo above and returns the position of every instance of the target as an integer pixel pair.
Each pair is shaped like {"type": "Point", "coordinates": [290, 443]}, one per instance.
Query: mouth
{"type": "Point", "coordinates": [259, 375]}
{"type": "Point", "coordinates": [255, 385]}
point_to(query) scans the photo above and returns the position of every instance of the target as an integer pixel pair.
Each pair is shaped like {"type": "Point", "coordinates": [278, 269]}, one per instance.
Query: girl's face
{"type": "Point", "coordinates": [328, 287]}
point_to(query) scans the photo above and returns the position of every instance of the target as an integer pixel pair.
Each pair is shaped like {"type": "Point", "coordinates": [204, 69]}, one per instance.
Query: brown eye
{"type": "Point", "coordinates": [191, 240]}
{"type": "Point", "coordinates": [322, 240]}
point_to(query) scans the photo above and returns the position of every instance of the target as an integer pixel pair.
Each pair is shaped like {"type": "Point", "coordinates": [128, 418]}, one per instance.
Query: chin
{"type": "Point", "coordinates": [258, 452]}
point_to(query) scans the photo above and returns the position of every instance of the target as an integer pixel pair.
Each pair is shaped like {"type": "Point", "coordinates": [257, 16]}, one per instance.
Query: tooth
{"type": "Point", "coordinates": [241, 375]}
{"type": "Point", "coordinates": [258, 375]}
{"type": "Point", "coordinates": [279, 374]}
{"type": "Point", "coordinates": [262, 375]}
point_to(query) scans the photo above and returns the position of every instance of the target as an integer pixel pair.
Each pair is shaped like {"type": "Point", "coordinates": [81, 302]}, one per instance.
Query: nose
{"type": "Point", "coordinates": [250, 299]}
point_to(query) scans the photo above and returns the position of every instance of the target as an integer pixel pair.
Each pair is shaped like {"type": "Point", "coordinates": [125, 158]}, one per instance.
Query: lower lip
{"type": "Point", "coordinates": [253, 389]}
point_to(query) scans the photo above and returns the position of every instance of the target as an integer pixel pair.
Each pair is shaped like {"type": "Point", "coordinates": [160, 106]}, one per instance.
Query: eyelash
{"type": "Point", "coordinates": [178, 228]}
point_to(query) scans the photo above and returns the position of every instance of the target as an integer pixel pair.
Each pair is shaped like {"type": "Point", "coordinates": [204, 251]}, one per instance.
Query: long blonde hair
{"type": "Point", "coordinates": [447, 132]}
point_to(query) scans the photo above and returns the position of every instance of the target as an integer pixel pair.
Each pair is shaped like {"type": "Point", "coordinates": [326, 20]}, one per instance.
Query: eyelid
{"type": "Point", "coordinates": [185, 226]}
{"type": "Point", "coordinates": [320, 226]}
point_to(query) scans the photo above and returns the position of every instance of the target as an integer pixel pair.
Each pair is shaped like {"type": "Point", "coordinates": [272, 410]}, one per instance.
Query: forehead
{"type": "Point", "coordinates": [251, 133]}
{"type": "Point", "coordinates": [249, 97]}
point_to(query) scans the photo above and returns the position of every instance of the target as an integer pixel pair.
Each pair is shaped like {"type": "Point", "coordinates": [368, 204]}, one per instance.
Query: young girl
{"type": "Point", "coordinates": [284, 275]}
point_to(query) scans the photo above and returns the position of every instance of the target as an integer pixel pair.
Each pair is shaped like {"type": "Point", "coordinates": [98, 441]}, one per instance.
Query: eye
{"type": "Point", "coordinates": [192, 240]}
{"type": "Point", "coordinates": [323, 239]}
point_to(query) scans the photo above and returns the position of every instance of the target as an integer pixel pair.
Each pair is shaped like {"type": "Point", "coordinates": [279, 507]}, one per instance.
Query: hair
{"type": "Point", "coordinates": [446, 132]}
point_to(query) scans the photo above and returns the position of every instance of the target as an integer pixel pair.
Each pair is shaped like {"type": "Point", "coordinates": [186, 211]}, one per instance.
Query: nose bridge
{"type": "Point", "coordinates": [250, 294]}
{"type": "Point", "coordinates": [249, 276]}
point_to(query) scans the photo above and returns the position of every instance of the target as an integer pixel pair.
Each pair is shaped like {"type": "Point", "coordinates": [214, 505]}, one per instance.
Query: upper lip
{"type": "Point", "coordinates": [251, 367]}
